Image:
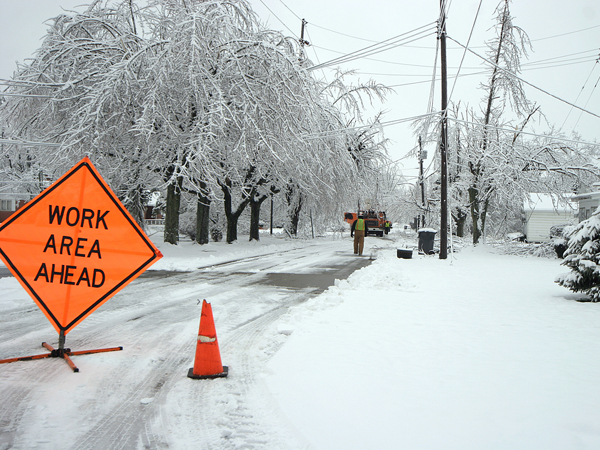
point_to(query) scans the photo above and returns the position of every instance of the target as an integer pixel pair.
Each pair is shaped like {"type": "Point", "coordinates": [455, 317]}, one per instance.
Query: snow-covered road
{"type": "Point", "coordinates": [140, 397]}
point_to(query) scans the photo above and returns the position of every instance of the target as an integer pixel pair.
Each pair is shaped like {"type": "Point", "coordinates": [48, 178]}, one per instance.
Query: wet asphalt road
{"type": "Point", "coordinates": [319, 281]}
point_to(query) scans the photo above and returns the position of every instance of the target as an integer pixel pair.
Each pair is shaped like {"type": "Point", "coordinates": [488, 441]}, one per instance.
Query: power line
{"type": "Point", "coordinates": [457, 48]}
{"type": "Point", "coordinates": [527, 69]}
{"type": "Point", "coordinates": [336, 132]}
{"type": "Point", "coordinates": [393, 42]}
{"type": "Point", "coordinates": [582, 88]}
{"type": "Point", "coordinates": [512, 130]}
{"type": "Point", "coordinates": [541, 61]}
{"type": "Point", "coordinates": [343, 34]}
{"type": "Point", "coordinates": [585, 106]}
{"type": "Point", "coordinates": [531, 63]}
{"type": "Point", "coordinates": [465, 52]}
{"type": "Point", "coordinates": [565, 34]}
{"type": "Point", "coordinates": [297, 16]}
{"type": "Point", "coordinates": [275, 15]}
{"type": "Point", "coordinates": [387, 62]}
{"type": "Point", "coordinates": [524, 81]}
{"type": "Point", "coordinates": [371, 50]}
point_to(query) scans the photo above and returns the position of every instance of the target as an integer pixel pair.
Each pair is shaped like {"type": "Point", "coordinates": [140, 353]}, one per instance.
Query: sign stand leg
{"type": "Point", "coordinates": [61, 352]}
{"type": "Point", "coordinates": [61, 341]}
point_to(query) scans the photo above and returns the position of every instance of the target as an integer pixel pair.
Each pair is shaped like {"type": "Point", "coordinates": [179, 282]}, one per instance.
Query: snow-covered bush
{"type": "Point", "coordinates": [583, 258]}
{"type": "Point", "coordinates": [216, 234]}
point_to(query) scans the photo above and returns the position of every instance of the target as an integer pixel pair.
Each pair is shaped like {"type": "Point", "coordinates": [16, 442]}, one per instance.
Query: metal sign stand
{"type": "Point", "coordinates": [61, 352]}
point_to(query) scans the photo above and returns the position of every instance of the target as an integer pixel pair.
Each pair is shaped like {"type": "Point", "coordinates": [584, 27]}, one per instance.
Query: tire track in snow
{"type": "Point", "coordinates": [234, 424]}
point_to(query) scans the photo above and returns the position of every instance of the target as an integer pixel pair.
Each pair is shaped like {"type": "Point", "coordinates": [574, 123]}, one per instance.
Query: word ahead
{"type": "Point", "coordinates": [74, 246]}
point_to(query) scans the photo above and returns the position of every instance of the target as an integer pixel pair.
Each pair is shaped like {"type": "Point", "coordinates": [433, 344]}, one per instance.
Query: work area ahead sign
{"type": "Point", "coordinates": [74, 246]}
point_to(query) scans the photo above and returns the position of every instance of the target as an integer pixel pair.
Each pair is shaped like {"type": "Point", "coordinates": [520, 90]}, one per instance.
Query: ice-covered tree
{"type": "Point", "coordinates": [189, 96]}
{"type": "Point", "coordinates": [59, 87]}
{"type": "Point", "coordinates": [493, 164]}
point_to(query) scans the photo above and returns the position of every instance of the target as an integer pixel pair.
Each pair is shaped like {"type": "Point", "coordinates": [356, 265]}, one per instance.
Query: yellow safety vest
{"type": "Point", "coordinates": [360, 224]}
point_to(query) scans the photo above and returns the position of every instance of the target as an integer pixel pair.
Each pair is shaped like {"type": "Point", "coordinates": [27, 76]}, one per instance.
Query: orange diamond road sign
{"type": "Point", "coordinates": [74, 246]}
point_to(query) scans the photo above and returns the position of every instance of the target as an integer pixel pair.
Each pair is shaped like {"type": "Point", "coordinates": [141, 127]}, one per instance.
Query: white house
{"type": "Point", "coordinates": [588, 202]}
{"type": "Point", "coordinates": [542, 212]}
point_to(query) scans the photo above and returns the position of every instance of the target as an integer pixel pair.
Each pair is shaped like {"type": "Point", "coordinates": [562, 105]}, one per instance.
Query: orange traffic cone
{"type": "Point", "coordinates": [208, 358]}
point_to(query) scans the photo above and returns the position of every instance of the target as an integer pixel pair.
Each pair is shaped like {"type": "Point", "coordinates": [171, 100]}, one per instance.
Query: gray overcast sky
{"type": "Point", "coordinates": [348, 25]}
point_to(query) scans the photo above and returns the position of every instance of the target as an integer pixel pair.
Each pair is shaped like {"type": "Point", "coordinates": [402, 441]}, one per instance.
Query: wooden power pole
{"type": "Point", "coordinates": [303, 42]}
{"type": "Point", "coordinates": [444, 139]}
{"type": "Point", "coordinates": [422, 156]}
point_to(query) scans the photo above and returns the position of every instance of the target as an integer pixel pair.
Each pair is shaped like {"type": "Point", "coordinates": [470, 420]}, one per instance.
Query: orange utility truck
{"type": "Point", "coordinates": [375, 221]}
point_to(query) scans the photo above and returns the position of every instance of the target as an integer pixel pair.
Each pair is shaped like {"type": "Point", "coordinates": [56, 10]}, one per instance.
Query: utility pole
{"type": "Point", "coordinates": [422, 182]}
{"type": "Point", "coordinates": [444, 139]}
{"type": "Point", "coordinates": [271, 227]}
{"type": "Point", "coordinates": [302, 41]}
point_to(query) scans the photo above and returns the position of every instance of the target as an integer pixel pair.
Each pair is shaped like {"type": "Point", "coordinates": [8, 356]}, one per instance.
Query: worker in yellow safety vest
{"type": "Point", "coordinates": [387, 226]}
{"type": "Point", "coordinates": [359, 231]}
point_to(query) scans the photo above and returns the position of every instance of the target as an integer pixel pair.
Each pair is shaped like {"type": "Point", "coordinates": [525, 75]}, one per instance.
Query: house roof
{"type": "Point", "coordinates": [548, 202]}
{"type": "Point", "coordinates": [586, 195]}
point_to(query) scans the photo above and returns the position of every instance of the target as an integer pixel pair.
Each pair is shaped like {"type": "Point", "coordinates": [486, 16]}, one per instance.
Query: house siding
{"type": "Point", "coordinates": [537, 227]}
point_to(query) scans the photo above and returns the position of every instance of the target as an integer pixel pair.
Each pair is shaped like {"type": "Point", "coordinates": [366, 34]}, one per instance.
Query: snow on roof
{"type": "Point", "coordinates": [586, 195]}
{"type": "Point", "coordinates": [548, 202]}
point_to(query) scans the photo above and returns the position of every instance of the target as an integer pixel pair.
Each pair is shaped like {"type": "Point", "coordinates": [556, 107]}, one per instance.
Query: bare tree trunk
{"type": "Point", "coordinates": [460, 217]}
{"type": "Point", "coordinates": [294, 201]}
{"type": "Point", "coordinates": [473, 194]}
{"type": "Point", "coordinates": [202, 215]}
{"type": "Point", "coordinates": [171, 235]}
{"type": "Point", "coordinates": [255, 204]}
{"type": "Point", "coordinates": [232, 216]}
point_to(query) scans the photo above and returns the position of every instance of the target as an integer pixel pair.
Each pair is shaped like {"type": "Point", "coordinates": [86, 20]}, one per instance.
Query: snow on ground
{"type": "Point", "coordinates": [483, 351]}
{"type": "Point", "coordinates": [480, 351]}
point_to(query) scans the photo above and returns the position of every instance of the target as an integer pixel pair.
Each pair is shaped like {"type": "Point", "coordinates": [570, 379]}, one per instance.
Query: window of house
{"type": "Point", "coordinates": [6, 205]}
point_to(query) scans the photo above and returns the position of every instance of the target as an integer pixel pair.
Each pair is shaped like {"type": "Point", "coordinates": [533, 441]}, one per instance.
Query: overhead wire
{"type": "Point", "coordinates": [315, 52]}
{"type": "Point", "coordinates": [397, 63]}
{"type": "Point", "coordinates": [590, 96]}
{"type": "Point", "coordinates": [512, 130]}
{"type": "Point", "coordinates": [396, 41]}
{"type": "Point", "coordinates": [325, 134]}
{"type": "Point", "coordinates": [360, 54]}
{"type": "Point", "coordinates": [450, 48]}
{"type": "Point", "coordinates": [277, 17]}
{"type": "Point", "coordinates": [344, 34]}
{"type": "Point", "coordinates": [524, 81]}
{"type": "Point", "coordinates": [568, 55]}
{"type": "Point", "coordinates": [580, 91]}
{"type": "Point", "coordinates": [565, 34]}
{"type": "Point", "coordinates": [479, 72]}
{"type": "Point", "coordinates": [465, 51]}
{"type": "Point", "coordinates": [289, 9]}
